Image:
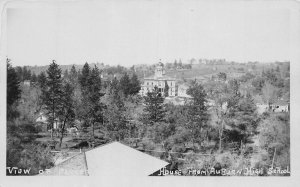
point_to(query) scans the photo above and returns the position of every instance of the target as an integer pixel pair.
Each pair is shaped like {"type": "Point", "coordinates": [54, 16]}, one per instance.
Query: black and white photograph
{"type": "Point", "coordinates": [158, 89]}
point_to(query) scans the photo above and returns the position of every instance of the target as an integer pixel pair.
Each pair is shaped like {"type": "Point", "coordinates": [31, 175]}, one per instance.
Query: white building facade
{"type": "Point", "coordinates": [159, 79]}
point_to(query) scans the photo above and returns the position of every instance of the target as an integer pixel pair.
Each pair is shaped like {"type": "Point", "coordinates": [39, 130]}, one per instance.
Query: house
{"type": "Point", "coordinates": [26, 82]}
{"type": "Point", "coordinates": [261, 108]}
{"type": "Point", "coordinates": [281, 106]}
{"type": "Point", "coordinates": [109, 160]}
{"type": "Point", "coordinates": [42, 122]}
{"type": "Point", "coordinates": [182, 89]}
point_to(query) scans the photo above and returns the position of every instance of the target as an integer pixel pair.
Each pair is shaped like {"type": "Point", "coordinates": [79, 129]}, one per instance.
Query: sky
{"type": "Point", "coordinates": [142, 32]}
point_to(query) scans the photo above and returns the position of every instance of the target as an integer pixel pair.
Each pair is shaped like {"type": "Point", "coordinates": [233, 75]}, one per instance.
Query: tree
{"type": "Point", "coordinates": [67, 112]}
{"type": "Point", "coordinates": [83, 79]}
{"type": "Point", "coordinates": [222, 76]}
{"type": "Point", "coordinates": [115, 113]}
{"type": "Point", "coordinates": [73, 75]}
{"type": "Point", "coordinates": [96, 107]}
{"type": "Point", "coordinates": [275, 135]}
{"type": "Point", "coordinates": [166, 90]}
{"type": "Point", "coordinates": [154, 109]}
{"type": "Point", "coordinates": [258, 83]}
{"type": "Point", "coordinates": [135, 85]}
{"type": "Point", "coordinates": [219, 93]}
{"type": "Point", "coordinates": [90, 82]}
{"type": "Point", "coordinates": [52, 95]}
{"type": "Point", "coordinates": [22, 150]}
{"type": "Point", "coordinates": [242, 118]}
{"type": "Point", "coordinates": [42, 80]}
{"type": "Point", "coordinates": [66, 74]}
{"type": "Point", "coordinates": [114, 84]}
{"type": "Point", "coordinates": [180, 63]}
{"type": "Point", "coordinates": [19, 72]}
{"type": "Point", "coordinates": [26, 73]}
{"type": "Point", "coordinates": [175, 63]}
{"type": "Point", "coordinates": [269, 93]}
{"type": "Point", "coordinates": [125, 84]}
{"type": "Point", "coordinates": [234, 87]}
{"type": "Point", "coordinates": [13, 90]}
{"type": "Point", "coordinates": [197, 111]}
{"type": "Point", "coordinates": [33, 78]}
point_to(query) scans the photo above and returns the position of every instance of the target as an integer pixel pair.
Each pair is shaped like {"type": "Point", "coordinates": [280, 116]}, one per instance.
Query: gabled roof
{"type": "Point", "coordinates": [113, 159]}
{"type": "Point", "coordinates": [116, 159]}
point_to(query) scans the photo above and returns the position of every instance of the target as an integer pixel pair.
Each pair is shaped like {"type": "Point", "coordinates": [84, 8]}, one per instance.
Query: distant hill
{"type": "Point", "coordinates": [38, 69]}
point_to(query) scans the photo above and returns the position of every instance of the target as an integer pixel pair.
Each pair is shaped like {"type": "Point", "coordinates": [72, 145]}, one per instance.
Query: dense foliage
{"type": "Point", "coordinates": [219, 126]}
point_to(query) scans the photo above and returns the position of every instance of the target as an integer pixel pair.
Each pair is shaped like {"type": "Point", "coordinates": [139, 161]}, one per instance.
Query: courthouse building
{"type": "Point", "coordinates": [159, 79]}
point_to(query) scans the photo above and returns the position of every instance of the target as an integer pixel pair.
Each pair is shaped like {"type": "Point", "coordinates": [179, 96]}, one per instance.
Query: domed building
{"type": "Point", "coordinates": [159, 79]}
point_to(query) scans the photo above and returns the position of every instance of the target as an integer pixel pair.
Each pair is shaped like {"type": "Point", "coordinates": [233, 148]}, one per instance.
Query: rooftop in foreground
{"type": "Point", "coordinates": [112, 159]}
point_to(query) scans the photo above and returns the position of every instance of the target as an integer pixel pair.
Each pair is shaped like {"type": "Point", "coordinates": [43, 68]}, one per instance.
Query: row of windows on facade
{"type": "Point", "coordinates": [159, 84]}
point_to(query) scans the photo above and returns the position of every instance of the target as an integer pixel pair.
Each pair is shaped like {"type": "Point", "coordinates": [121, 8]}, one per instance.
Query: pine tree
{"type": "Point", "coordinates": [166, 90]}
{"type": "Point", "coordinates": [67, 111]}
{"type": "Point", "coordinates": [135, 85]}
{"type": "Point", "coordinates": [115, 113]}
{"type": "Point", "coordinates": [90, 82]}
{"type": "Point", "coordinates": [197, 112]}
{"type": "Point", "coordinates": [114, 85]}
{"type": "Point", "coordinates": [33, 78]}
{"type": "Point", "coordinates": [125, 84]}
{"type": "Point", "coordinates": [13, 91]}
{"type": "Point", "coordinates": [155, 110]}
{"type": "Point", "coordinates": [52, 95]}
{"type": "Point", "coordinates": [42, 80]}
{"type": "Point", "coordinates": [73, 75]}
{"type": "Point", "coordinates": [66, 74]}
{"type": "Point", "coordinates": [26, 73]}
{"type": "Point", "coordinates": [83, 79]}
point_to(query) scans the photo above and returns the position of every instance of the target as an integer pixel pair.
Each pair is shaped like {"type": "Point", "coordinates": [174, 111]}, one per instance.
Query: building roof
{"type": "Point", "coordinates": [112, 159]}
{"type": "Point", "coordinates": [73, 166]}
{"type": "Point", "coordinates": [281, 103]}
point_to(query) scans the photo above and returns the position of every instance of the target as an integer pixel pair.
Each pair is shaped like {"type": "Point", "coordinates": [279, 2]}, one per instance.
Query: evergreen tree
{"type": "Point", "coordinates": [67, 112]}
{"type": "Point", "coordinates": [197, 112]}
{"type": "Point", "coordinates": [26, 73]}
{"type": "Point", "coordinates": [114, 85]}
{"type": "Point", "coordinates": [83, 79]}
{"type": "Point", "coordinates": [66, 74]}
{"type": "Point", "coordinates": [166, 90]}
{"type": "Point", "coordinates": [180, 63]}
{"type": "Point", "coordinates": [135, 85]}
{"type": "Point", "coordinates": [33, 78]}
{"type": "Point", "coordinates": [155, 110]}
{"type": "Point", "coordinates": [175, 63]}
{"type": "Point", "coordinates": [115, 113]}
{"type": "Point", "coordinates": [73, 75]}
{"type": "Point", "coordinates": [52, 95]}
{"type": "Point", "coordinates": [90, 82]}
{"type": "Point", "coordinates": [13, 91]}
{"type": "Point", "coordinates": [19, 72]}
{"type": "Point", "coordinates": [42, 80]}
{"type": "Point", "coordinates": [125, 84]}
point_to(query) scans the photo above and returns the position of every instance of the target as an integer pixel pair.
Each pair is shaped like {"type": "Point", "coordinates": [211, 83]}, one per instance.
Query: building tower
{"type": "Point", "coordinates": [159, 70]}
